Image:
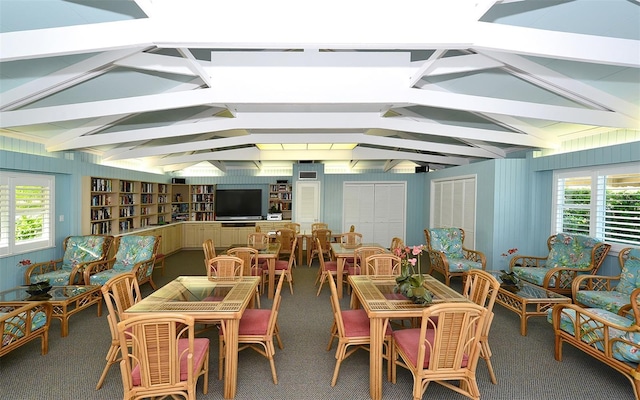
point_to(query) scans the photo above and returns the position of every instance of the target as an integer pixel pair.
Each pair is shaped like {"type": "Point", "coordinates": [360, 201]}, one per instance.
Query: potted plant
{"type": "Point", "coordinates": [409, 283]}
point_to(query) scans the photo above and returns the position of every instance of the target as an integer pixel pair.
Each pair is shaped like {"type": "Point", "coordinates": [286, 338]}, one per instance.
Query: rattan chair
{"type": "Point", "coordinates": [209, 249]}
{"type": "Point", "coordinates": [119, 293]}
{"type": "Point", "coordinates": [482, 288]}
{"type": "Point", "coordinates": [318, 225]}
{"type": "Point", "coordinates": [321, 240]}
{"type": "Point", "coordinates": [352, 330]}
{"type": "Point", "coordinates": [445, 348]}
{"type": "Point", "coordinates": [360, 254]}
{"type": "Point", "coordinates": [382, 264]}
{"type": "Point", "coordinates": [257, 240]}
{"type": "Point", "coordinates": [447, 254]}
{"type": "Point", "coordinates": [284, 267]}
{"type": "Point", "coordinates": [570, 255]}
{"type": "Point", "coordinates": [225, 266]}
{"type": "Point", "coordinates": [257, 328]}
{"type": "Point", "coordinates": [134, 253]}
{"type": "Point", "coordinates": [78, 253]}
{"type": "Point", "coordinates": [288, 242]}
{"type": "Point", "coordinates": [327, 268]}
{"type": "Point", "coordinates": [165, 357]}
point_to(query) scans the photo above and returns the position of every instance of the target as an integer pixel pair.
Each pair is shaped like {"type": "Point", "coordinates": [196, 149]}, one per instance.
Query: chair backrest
{"type": "Point", "coordinates": [225, 267]}
{"type": "Point", "coordinates": [319, 225]}
{"type": "Point", "coordinates": [250, 257]}
{"type": "Point", "coordinates": [323, 237]}
{"type": "Point", "coordinates": [576, 251]}
{"type": "Point", "coordinates": [151, 364]}
{"type": "Point", "coordinates": [447, 240]}
{"type": "Point", "coordinates": [286, 238]}
{"type": "Point", "coordinates": [294, 226]}
{"type": "Point", "coordinates": [451, 341]}
{"type": "Point", "coordinates": [134, 249]}
{"type": "Point", "coordinates": [361, 253]}
{"type": "Point", "coordinates": [292, 255]}
{"type": "Point", "coordinates": [351, 239]}
{"type": "Point", "coordinates": [209, 249]}
{"type": "Point", "coordinates": [119, 293]}
{"type": "Point", "coordinates": [85, 249]}
{"type": "Point", "coordinates": [629, 259]}
{"type": "Point", "coordinates": [335, 307]}
{"type": "Point", "coordinates": [318, 246]}
{"type": "Point", "coordinates": [396, 243]}
{"type": "Point", "coordinates": [481, 287]}
{"type": "Point", "coordinates": [258, 240]}
{"type": "Point", "coordinates": [382, 264]}
{"type": "Point", "coordinates": [275, 307]}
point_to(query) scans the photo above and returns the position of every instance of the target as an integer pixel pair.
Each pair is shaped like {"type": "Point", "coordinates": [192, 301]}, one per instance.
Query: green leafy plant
{"type": "Point", "coordinates": [409, 283]}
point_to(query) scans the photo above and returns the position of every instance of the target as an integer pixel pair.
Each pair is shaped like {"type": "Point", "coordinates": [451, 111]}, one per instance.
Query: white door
{"type": "Point", "coordinates": [377, 210]}
{"type": "Point", "coordinates": [307, 204]}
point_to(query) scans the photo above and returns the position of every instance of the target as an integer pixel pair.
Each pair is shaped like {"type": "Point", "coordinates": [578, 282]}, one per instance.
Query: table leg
{"type": "Point", "coordinates": [340, 261]}
{"type": "Point", "coordinates": [231, 358]}
{"type": "Point", "coordinates": [376, 326]}
{"type": "Point", "coordinates": [271, 262]}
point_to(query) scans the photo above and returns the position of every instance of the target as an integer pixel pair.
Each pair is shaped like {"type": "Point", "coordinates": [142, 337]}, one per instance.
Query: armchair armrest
{"type": "Point", "coordinates": [143, 269]}
{"type": "Point", "coordinates": [97, 266]}
{"type": "Point", "coordinates": [16, 326]}
{"type": "Point", "coordinates": [527, 261]}
{"type": "Point", "coordinates": [475, 255]}
{"type": "Point", "coordinates": [592, 282]}
{"type": "Point", "coordinates": [563, 278]}
{"type": "Point", "coordinates": [41, 268]}
{"type": "Point", "coordinates": [438, 260]}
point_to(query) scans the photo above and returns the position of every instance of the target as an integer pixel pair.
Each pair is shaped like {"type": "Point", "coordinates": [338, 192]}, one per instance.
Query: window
{"type": "Point", "coordinates": [602, 203]}
{"type": "Point", "coordinates": [26, 212]}
{"type": "Point", "coordinates": [453, 204]}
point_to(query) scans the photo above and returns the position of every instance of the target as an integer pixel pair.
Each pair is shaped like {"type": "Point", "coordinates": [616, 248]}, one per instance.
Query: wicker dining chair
{"type": "Point", "coordinates": [209, 249]}
{"type": "Point", "coordinates": [482, 288]}
{"type": "Point", "coordinates": [165, 357]}
{"type": "Point", "coordinates": [284, 267]}
{"type": "Point", "coordinates": [352, 330]}
{"type": "Point", "coordinates": [382, 264]}
{"type": "Point", "coordinates": [119, 293]}
{"type": "Point", "coordinates": [257, 328]}
{"type": "Point", "coordinates": [445, 348]}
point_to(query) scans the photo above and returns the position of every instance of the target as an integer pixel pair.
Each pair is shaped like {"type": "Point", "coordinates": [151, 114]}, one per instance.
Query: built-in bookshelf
{"type": "Point", "coordinates": [115, 206]}
{"type": "Point", "coordinates": [202, 202]}
{"type": "Point", "coordinates": [280, 199]}
{"type": "Point", "coordinates": [180, 202]}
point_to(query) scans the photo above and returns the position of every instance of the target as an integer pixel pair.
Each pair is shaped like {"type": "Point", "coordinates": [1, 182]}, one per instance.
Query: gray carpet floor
{"type": "Point", "coordinates": [525, 366]}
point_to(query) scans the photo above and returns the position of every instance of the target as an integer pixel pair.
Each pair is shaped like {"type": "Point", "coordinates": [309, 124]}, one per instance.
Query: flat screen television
{"type": "Point", "coordinates": [238, 204]}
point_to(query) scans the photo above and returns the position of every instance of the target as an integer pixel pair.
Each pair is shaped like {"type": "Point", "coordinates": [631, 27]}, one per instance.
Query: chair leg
{"type": "Point", "coordinates": [290, 279]}
{"type": "Point", "coordinates": [485, 353]}
{"type": "Point", "coordinates": [334, 335]}
{"type": "Point", "coordinates": [220, 356]}
{"type": "Point", "coordinates": [340, 355]}
{"type": "Point", "coordinates": [112, 357]}
{"type": "Point", "coordinates": [323, 278]}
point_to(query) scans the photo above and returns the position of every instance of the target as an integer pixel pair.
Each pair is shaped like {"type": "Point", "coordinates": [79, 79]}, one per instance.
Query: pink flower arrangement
{"type": "Point", "coordinates": [510, 252]}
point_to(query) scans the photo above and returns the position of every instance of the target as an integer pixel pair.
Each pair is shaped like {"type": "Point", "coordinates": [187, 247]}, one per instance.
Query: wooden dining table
{"type": "Point", "coordinates": [229, 298]}
{"type": "Point", "coordinates": [342, 252]}
{"type": "Point", "coordinates": [269, 253]}
{"type": "Point", "coordinates": [375, 294]}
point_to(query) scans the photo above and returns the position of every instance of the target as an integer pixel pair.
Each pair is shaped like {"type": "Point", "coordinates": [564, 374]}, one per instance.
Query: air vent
{"type": "Point", "coordinates": [307, 175]}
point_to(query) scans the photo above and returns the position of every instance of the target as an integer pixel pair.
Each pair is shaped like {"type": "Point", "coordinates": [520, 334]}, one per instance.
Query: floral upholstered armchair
{"type": "Point", "coordinates": [448, 255]}
{"type": "Point", "coordinates": [22, 322]}
{"type": "Point", "coordinates": [68, 270]}
{"type": "Point", "coordinates": [608, 337]}
{"type": "Point", "coordinates": [569, 255]}
{"type": "Point", "coordinates": [598, 291]}
{"type": "Point", "coordinates": [134, 253]}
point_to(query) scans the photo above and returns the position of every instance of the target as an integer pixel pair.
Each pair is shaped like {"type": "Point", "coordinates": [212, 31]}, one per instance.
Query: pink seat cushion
{"type": "Point", "coordinates": [281, 264]}
{"type": "Point", "coordinates": [356, 323]}
{"type": "Point", "coordinates": [407, 340]}
{"type": "Point", "coordinates": [200, 350]}
{"type": "Point", "coordinates": [254, 321]}
{"type": "Point", "coordinates": [354, 270]}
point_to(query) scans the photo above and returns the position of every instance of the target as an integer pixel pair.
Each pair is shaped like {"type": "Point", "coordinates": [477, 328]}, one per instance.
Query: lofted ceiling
{"type": "Point", "coordinates": [170, 84]}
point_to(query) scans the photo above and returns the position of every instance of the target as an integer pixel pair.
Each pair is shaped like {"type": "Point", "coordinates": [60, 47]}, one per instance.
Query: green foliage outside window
{"type": "Point", "coordinates": [29, 227]}
{"type": "Point", "coordinates": [622, 213]}
{"type": "Point", "coordinates": [31, 206]}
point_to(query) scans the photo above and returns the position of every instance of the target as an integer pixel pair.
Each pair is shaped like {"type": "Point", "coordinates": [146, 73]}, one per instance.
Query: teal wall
{"type": "Point", "coordinates": [513, 195]}
{"type": "Point", "coordinates": [514, 199]}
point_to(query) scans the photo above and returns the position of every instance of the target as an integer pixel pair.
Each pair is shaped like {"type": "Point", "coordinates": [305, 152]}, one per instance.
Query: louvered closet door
{"type": "Point", "coordinates": [378, 210]}
{"type": "Point", "coordinates": [453, 204]}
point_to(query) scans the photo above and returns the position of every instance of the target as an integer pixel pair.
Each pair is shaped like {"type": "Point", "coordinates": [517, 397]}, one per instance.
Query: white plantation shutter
{"type": "Point", "coordinates": [26, 212]}
{"type": "Point", "coordinates": [602, 203]}
{"type": "Point", "coordinates": [453, 204]}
